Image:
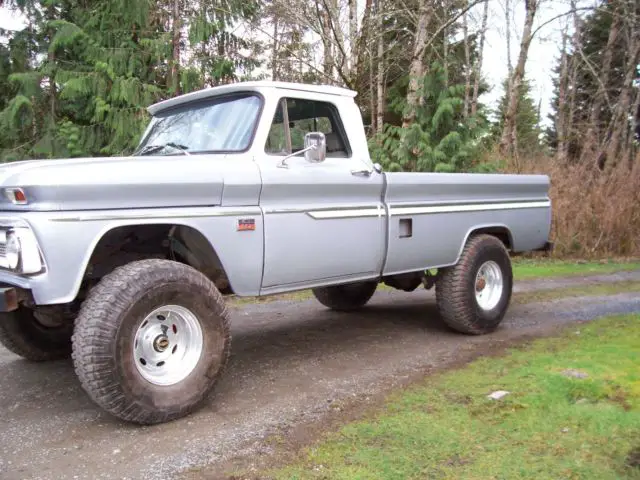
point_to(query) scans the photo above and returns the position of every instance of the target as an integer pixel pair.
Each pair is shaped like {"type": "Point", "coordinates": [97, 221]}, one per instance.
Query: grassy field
{"type": "Point", "coordinates": [578, 291]}
{"type": "Point", "coordinates": [530, 269]}
{"type": "Point", "coordinates": [573, 412]}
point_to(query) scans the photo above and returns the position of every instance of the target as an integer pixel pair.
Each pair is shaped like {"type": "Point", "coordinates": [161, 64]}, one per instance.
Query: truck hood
{"type": "Point", "coordinates": [115, 182]}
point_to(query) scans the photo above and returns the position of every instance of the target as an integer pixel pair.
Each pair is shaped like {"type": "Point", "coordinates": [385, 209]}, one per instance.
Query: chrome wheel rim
{"type": "Point", "coordinates": [489, 285]}
{"type": "Point", "coordinates": [168, 345]}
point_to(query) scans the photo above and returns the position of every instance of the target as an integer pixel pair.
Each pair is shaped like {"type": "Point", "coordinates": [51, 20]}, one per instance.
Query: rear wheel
{"type": "Point", "coordinates": [473, 295]}
{"type": "Point", "coordinates": [346, 297]}
{"type": "Point", "coordinates": [36, 336]}
{"type": "Point", "coordinates": [151, 340]}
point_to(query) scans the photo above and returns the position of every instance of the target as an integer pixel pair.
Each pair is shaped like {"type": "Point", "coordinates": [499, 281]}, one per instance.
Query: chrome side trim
{"type": "Point", "coordinates": [467, 208]}
{"type": "Point", "coordinates": [350, 213]}
{"type": "Point", "coordinates": [332, 212]}
{"type": "Point", "coordinates": [274, 210]}
{"type": "Point", "coordinates": [413, 209]}
{"type": "Point", "coordinates": [162, 214]}
{"type": "Point", "coordinates": [319, 214]}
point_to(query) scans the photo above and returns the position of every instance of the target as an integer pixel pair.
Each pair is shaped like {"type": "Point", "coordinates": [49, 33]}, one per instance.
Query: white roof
{"type": "Point", "coordinates": [254, 86]}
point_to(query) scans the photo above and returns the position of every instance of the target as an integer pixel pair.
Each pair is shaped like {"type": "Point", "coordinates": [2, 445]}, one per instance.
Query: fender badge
{"type": "Point", "coordinates": [245, 224]}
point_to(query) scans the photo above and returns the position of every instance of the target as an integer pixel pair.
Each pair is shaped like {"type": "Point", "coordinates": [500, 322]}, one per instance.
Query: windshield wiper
{"type": "Point", "coordinates": [154, 148]}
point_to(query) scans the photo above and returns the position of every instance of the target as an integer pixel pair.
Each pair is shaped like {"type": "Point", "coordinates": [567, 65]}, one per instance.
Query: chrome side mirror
{"type": "Point", "coordinates": [315, 146]}
{"type": "Point", "coordinates": [315, 149]}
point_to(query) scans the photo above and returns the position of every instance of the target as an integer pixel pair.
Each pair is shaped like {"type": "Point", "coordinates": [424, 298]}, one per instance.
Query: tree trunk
{"type": "Point", "coordinates": [51, 57]}
{"type": "Point", "coordinates": [573, 76]}
{"type": "Point", "coordinates": [174, 80]}
{"type": "Point", "coordinates": [337, 36]}
{"type": "Point", "coordinates": [507, 21]}
{"type": "Point", "coordinates": [364, 47]}
{"type": "Point", "coordinates": [562, 117]}
{"type": "Point", "coordinates": [328, 62]}
{"type": "Point", "coordinates": [593, 138]}
{"type": "Point", "coordinates": [630, 131]}
{"type": "Point", "coordinates": [416, 67]}
{"type": "Point", "coordinates": [353, 38]}
{"type": "Point", "coordinates": [478, 67]}
{"type": "Point", "coordinates": [467, 66]}
{"type": "Point", "coordinates": [620, 120]}
{"type": "Point", "coordinates": [381, 68]}
{"type": "Point", "coordinates": [445, 56]}
{"type": "Point", "coordinates": [372, 94]}
{"type": "Point", "coordinates": [508, 140]}
{"type": "Point", "coordinates": [274, 53]}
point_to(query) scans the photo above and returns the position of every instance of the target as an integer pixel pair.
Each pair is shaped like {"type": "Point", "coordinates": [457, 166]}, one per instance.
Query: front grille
{"type": "Point", "coordinates": [3, 243]}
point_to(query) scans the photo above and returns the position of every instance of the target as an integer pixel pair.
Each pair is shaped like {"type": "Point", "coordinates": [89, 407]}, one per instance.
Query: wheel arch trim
{"type": "Point", "coordinates": [489, 229]}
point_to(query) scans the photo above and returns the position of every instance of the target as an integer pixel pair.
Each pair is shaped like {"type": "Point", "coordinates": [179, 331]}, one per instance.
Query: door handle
{"type": "Point", "coordinates": [362, 173]}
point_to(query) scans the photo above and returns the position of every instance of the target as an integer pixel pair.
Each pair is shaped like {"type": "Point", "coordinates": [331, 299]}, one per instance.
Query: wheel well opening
{"type": "Point", "coordinates": [181, 243]}
{"type": "Point", "coordinates": [501, 233]}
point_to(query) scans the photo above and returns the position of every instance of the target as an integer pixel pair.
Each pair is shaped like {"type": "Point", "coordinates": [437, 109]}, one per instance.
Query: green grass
{"type": "Point", "coordinates": [529, 269]}
{"type": "Point", "coordinates": [577, 291]}
{"type": "Point", "coordinates": [551, 426]}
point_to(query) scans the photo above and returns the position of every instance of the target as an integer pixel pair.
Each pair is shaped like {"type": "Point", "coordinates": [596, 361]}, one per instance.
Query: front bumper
{"type": "Point", "coordinates": [8, 299]}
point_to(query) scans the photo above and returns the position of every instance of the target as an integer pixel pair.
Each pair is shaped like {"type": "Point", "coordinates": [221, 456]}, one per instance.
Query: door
{"type": "Point", "coordinates": [324, 222]}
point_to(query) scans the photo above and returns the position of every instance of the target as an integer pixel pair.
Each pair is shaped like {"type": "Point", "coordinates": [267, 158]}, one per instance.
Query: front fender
{"type": "Point", "coordinates": [68, 239]}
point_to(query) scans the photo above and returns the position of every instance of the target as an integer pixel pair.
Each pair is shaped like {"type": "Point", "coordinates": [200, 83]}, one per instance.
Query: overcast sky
{"type": "Point", "coordinates": [542, 54]}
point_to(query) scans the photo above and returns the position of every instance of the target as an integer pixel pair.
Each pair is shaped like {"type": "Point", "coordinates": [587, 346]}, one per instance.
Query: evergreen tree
{"type": "Point", "coordinates": [528, 131]}
{"type": "Point", "coordinates": [81, 75]}
{"type": "Point", "coordinates": [440, 139]}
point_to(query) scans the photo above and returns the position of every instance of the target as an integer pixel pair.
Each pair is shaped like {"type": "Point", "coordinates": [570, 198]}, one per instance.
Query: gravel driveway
{"type": "Point", "coordinates": [292, 362]}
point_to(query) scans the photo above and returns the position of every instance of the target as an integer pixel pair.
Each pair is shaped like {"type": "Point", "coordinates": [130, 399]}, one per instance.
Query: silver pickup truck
{"type": "Point", "coordinates": [248, 189]}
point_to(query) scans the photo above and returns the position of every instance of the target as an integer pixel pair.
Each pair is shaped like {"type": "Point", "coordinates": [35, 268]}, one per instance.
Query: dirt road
{"type": "Point", "coordinates": [291, 362]}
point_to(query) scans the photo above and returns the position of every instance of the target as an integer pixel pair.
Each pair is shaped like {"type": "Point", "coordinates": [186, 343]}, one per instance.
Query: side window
{"type": "Point", "coordinates": [301, 117]}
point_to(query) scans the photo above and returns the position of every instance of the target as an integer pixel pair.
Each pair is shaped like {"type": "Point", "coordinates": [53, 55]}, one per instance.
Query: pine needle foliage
{"type": "Point", "coordinates": [77, 79]}
{"type": "Point", "coordinates": [440, 139]}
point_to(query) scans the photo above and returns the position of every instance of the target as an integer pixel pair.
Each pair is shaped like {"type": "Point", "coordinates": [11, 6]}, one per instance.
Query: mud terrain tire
{"type": "Point", "coordinates": [107, 338]}
{"type": "Point", "coordinates": [345, 297]}
{"type": "Point", "coordinates": [23, 334]}
{"type": "Point", "coordinates": [456, 288]}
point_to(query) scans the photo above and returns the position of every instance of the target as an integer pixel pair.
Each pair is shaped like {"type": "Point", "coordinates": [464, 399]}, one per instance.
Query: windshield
{"type": "Point", "coordinates": [223, 124]}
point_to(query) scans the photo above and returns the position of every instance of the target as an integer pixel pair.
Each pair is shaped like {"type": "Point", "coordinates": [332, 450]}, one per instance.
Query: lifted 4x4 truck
{"type": "Point", "coordinates": [248, 189]}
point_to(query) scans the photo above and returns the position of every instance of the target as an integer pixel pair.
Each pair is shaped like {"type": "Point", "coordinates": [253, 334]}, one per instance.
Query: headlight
{"type": "Point", "coordinates": [13, 251]}
{"type": "Point", "coordinates": [21, 252]}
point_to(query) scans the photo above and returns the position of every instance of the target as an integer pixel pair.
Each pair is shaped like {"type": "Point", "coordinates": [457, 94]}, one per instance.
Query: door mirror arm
{"type": "Point", "coordinates": [315, 149]}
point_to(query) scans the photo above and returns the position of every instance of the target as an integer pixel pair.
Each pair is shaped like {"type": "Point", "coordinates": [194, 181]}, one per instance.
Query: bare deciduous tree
{"type": "Point", "coordinates": [508, 139]}
{"type": "Point", "coordinates": [416, 68]}
{"type": "Point", "coordinates": [477, 70]}
{"type": "Point", "coordinates": [562, 115]}
{"type": "Point", "coordinates": [593, 137]}
{"type": "Point", "coordinates": [467, 63]}
{"type": "Point", "coordinates": [620, 120]}
{"type": "Point", "coordinates": [380, 82]}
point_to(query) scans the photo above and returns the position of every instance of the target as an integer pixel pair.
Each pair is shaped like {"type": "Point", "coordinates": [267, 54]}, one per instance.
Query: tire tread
{"type": "Point", "coordinates": [336, 298]}
{"type": "Point", "coordinates": [452, 294]}
{"type": "Point", "coordinates": [15, 339]}
{"type": "Point", "coordinates": [94, 364]}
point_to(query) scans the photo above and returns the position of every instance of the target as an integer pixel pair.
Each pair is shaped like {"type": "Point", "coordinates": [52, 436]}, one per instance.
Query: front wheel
{"type": "Point", "coordinates": [474, 294]}
{"type": "Point", "coordinates": [36, 336]}
{"type": "Point", "coordinates": [346, 297]}
{"type": "Point", "coordinates": [151, 340]}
